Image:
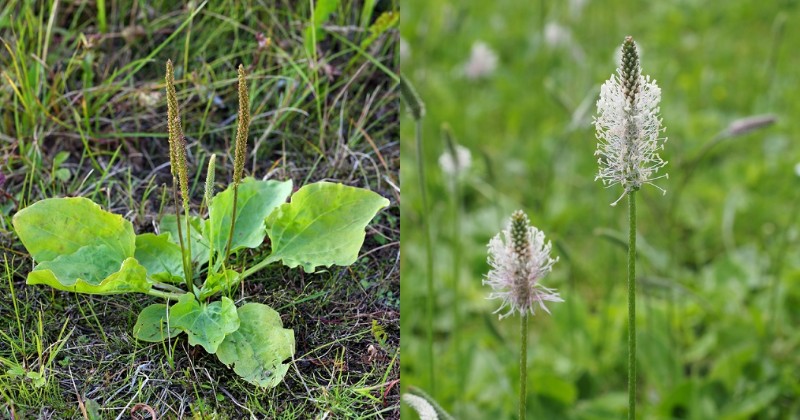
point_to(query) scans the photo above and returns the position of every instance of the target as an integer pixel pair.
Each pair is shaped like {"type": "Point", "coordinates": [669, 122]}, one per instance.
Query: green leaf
{"type": "Point", "coordinates": [59, 226]}
{"type": "Point", "coordinates": [259, 347]}
{"type": "Point", "coordinates": [37, 378]}
{"type": "Point", "coordinates": [89, 270]}
{"type": "Point", "coordinates": [205, 324]}
{"type": "Point", "coordinates": [200, 245]}
{"type": "Point", "coordinates": [322, 11]}
{"type": "Point", "coordinates": [160, 257]}
{"type": "Point", "coordinates": [80, 247]}
{"type": "Point", "coordinates": [218, 282]}
{"type": "Point", "coordinates": [151, 326]}
{"type": "Point", "coordinates": [255, 201]}
{"type": "Point", "coordinates": [322, 225]}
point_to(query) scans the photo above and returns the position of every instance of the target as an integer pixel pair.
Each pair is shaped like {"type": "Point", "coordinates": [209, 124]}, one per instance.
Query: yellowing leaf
{"type": "Point", "coordinates": [322, 225]}
{"type": "Point", "coordinates": [59, 226]}
{"type": "Point", "coordinates": [80, 247]}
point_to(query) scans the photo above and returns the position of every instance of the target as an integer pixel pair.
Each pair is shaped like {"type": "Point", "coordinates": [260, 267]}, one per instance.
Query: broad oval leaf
{"type": "Point", "coordinates": [152, 324]}
{"type": "Point", "coordinates": [205, 324]}
{"type": "Point", "coordinates": [160, 257]}
{"type": "Point", "coordinates": [323, 225]}
{"type": "Point", "coordinates": [255, 201]}
{"type": "Point", "coordinates": [200, 245]}
{"type": "Point", "coordinates": [80, 247]}
{"type": "Point", "coordinates": [259, 347]}
{"type": "Point", "coordinates": [59, 226]}
{"type": "Point", "coordinates": [60, 274]}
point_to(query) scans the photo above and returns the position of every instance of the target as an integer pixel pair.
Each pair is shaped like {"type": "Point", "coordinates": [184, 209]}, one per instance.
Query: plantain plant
{"type": "Point", "coordinates": [79, 247]}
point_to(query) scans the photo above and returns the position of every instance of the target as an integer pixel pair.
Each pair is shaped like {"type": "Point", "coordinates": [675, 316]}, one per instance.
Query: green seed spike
{"type": "Point", "coordinates": [209, 192]}
{"type": "Point", "coordinates": [177, 142]}
{"type": "Point", "coordinates": [177, 158]}
{"type": "Point", "coordinates": [172, 112]}
{"type": "Point", "coordinates": [415, 105]}
{"type": "Point", "coordinates": [242, 128]}
{"type": "Point", "coordinates": [240, 150]}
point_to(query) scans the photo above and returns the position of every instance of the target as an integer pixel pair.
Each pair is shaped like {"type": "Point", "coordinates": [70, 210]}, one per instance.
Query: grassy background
{"type": "Point", "coordinates": [718, 261]}
{"type": "Point", "coordinates": [82, 113]}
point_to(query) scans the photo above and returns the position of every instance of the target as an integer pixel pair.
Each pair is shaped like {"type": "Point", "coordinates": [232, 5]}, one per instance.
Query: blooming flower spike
{"type": "Point", "coordinates": [628, 126]}
{"type": "Point", "coordinates": [520, 258]}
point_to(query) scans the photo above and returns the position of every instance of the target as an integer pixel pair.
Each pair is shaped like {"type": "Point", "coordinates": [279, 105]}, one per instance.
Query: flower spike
{"type": "Point", "coordinates": [520, 258]}
{"type": "Point", "coordinates": [628, 126]}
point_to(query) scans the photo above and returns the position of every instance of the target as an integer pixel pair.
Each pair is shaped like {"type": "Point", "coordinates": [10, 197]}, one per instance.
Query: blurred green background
{"type": "Point", "coordinates": [718, 263]}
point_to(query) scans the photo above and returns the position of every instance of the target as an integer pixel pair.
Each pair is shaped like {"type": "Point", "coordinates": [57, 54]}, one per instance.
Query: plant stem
{"type": "Point", "coordinates": [457, 280]}
{"type": "Point", "coordinates": [165, 295]}
{"type": "Point", "coordinates": [168, 287]}
{"type": "Point", "coordinates": [233, 223]}
{"type": "Point", "coordinates": [258, 267]}
{"type": "Point", "coordinates": [523, 366]}
{"type": "Point", "coordinates": [180, 230]}
{"type": "Point", "coordinates": [632, 306]}
{"type": "Point", "coordinates": [189, 276]}
{"type": "Point", "coordinates": [428, 252]}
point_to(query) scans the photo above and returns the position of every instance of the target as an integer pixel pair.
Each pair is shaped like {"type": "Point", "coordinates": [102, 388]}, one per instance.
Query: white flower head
{"type": "Point", "coordinates": [405, 50]}
{"type": "Point", "coordinates": [458, 164]}
{"type": "Point", "coordinates": [628, 126]}
{"type": "Point", "coordinates": [482, 61]}
{"type": "Point", "coordinates": [520, 258]}
{"type": "Point", "coordinates": [424, 409]}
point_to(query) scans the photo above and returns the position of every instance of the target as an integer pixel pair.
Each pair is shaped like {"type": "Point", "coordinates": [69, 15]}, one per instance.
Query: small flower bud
{"type": "Point", "coordinates": [209, 191]}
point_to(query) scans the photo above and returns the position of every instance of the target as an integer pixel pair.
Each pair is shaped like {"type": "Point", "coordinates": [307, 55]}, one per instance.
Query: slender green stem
{"type": "Point", "coordinates": [778, 264]}
{"type": "Point", "coordinates": [168, 287]}
{"type": "Point", "coordinates": [165, 295]}
{"type": "Point", "coordinates": [189, 275]}
{"type": "Point", "coordinates": [258, 267]}
{"type": "Point", "coordinates": [632, 306]}
{"type": "Point", "coordinates": [456, 281]}
{"type": "Point", "coordinates": [233, 223]}
{"type": "Point", "coordinates": [523, 366]}
{"type": "Point", "coordinates": [428, 254]}
{"type": "Point", "coordinates": [180, 230]}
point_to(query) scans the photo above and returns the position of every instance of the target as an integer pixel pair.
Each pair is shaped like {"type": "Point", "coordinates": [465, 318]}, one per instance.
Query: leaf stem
{"type": "Point", "coordinates": [428, 252]}
{"type": "Point", "coordinates": [189, 276]}
{"type": "Point", "coordinates": [457, 277]}
{"type": "Point", "coordinates": [233, 223]}
{"type": "Point", "coordinates": [523, 366]}
{"type": "Point", "coordinates": [168, 287]}
{"type": "Point", "coordinates": [632, 306]}
{"type": "Point", "coordinates": [258, 267]}
{"type": "Point", "coordinates": [165, 295]}
{"type": "Point", "coordinates": [180, 230]}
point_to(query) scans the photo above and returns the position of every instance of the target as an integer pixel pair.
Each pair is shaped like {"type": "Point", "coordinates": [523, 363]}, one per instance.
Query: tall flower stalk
{"type": "Point", "coordinates": [454, 162]}
{"type": "Point", "coordinates": [417, 110]}
{"type": "Point", "coordinates": [628, 129]}
{"type": "Point", "coordinates": [519, 259]}
{"type": "Point", "coordinates": [242, 130]}
{"type": "Point", "coordinates": [177, 158]}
